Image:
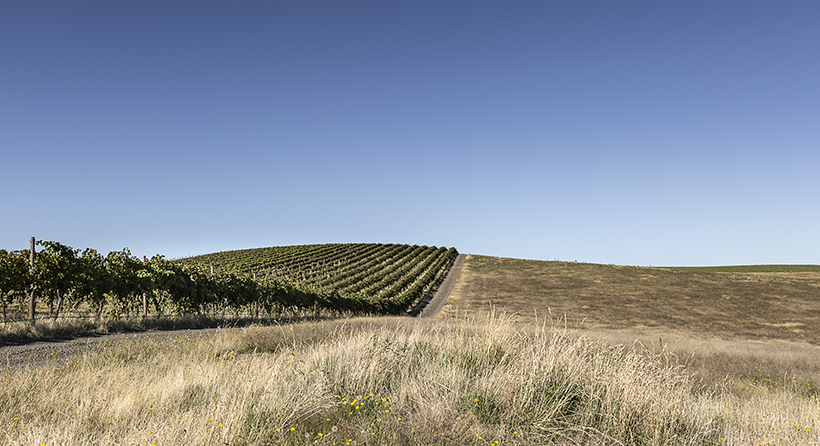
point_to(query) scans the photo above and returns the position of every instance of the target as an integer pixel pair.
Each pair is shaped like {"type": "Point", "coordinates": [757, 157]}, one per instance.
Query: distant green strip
{"type": "Point", "coordinates": [750, 268]}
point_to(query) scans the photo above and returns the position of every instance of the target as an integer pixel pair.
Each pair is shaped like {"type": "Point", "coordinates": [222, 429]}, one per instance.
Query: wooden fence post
{"type": "Point", "coordinates": [213, 304]}
{"type": "Point", "coordinates": [31, 299]}
{"type": "Point", "coordinates": [256, 303]}
{"type": "Point", "coordinates": [144, 297]}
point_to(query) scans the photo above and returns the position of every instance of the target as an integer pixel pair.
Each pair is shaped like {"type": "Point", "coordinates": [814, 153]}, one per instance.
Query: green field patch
{"type": "Point", "coordinates": [750, 268]}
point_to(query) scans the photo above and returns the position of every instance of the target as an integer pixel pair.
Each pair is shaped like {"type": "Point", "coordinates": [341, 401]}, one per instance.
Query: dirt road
{"type": "Point", "coordinates": [437, 302]}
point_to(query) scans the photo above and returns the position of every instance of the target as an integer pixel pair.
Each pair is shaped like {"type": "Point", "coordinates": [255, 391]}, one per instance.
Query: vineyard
{"type": "Point", "coordinates": [330, 278]}
{"type": "Point", "coordinates": [363, 277]}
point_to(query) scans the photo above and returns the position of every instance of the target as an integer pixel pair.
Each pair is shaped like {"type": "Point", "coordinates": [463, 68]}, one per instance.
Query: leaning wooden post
{"type": "Point", "coordinates": [144, 297]}
{"type": "Point", "coordinates": [31, 299]}
{"type": "Point", "coordinates": [256, 303]}
{"type": "Point", "coordinates": [213, 304]}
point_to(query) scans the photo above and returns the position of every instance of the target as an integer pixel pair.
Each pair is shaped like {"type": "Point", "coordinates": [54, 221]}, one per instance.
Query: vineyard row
{"type": "Point", "coordinates": [343, 278]}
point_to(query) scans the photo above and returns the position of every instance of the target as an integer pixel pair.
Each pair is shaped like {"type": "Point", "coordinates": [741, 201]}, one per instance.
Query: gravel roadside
{"type": "Point", "coordinates": [42, 353]}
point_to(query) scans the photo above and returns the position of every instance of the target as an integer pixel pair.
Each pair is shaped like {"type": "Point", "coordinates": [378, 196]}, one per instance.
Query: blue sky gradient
{"type": "Point", "coordinates": [644, 133]}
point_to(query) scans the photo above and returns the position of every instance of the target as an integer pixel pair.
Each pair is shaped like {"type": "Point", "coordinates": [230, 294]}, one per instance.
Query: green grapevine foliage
{"type": "Point", "coordinates": [343, 278]}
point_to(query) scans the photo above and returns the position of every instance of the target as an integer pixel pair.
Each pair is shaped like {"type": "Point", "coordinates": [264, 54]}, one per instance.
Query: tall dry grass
{"type": "Point", "coordinates": [756, 392]}
{"type": "Point", "coordinates": [384, 381]}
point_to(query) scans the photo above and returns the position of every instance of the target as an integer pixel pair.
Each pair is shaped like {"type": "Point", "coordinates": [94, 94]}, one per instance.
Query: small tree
{"type": "Point", "coordinates": [94, 281]}
{"type": "Point", "coordinates": [127, 280]}
{"type": "Point", "coordinates": [14, 276]}
{"type": "Point", "coordinates": [167, 279]}
{"type": "Point", "coordinates": [194, 291]}
{"type": "Point", "coordinates": [239, 292]}
{"type": "Point", "coordinates": [57, 269]}
{"type": "Point", "coordinates": [271, 294]}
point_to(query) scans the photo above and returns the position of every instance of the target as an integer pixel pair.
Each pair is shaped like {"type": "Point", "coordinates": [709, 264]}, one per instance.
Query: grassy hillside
{"type": "Point", "coordinates": [771, 305]}
{"type": "Point", "coordinates": [734, 328]}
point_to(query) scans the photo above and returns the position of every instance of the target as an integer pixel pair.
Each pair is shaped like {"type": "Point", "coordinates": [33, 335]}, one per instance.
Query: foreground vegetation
{"type": "Point", "coordinates": [388, 381]}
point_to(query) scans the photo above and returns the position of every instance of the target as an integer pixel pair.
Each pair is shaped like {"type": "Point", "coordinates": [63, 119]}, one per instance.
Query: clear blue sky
{"type": "Point", "coordinates": [643, 133]}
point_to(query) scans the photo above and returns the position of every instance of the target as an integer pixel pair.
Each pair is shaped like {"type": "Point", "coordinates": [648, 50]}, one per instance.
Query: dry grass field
{"type": "Point", "coordinates": [642, 357]}
{"type": "Point", "coordinates": [749, 306]}
{"type": "Point", "coordinates": [748, 336]}
{"type": "Point", "coordinates": [384, 381]}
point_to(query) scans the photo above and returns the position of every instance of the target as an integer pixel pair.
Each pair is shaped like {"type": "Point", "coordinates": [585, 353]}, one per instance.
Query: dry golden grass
{"type": "Point", "coordinates": [712, 305]}
{"type": "Point", "coordinates": [768, 325]}
{"type": "Point", "coordinates": [751, 341]}
{"type": "Point", "coordinates": [455, 380]}
{"type": "Point", "coordinates": [387, 381]}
